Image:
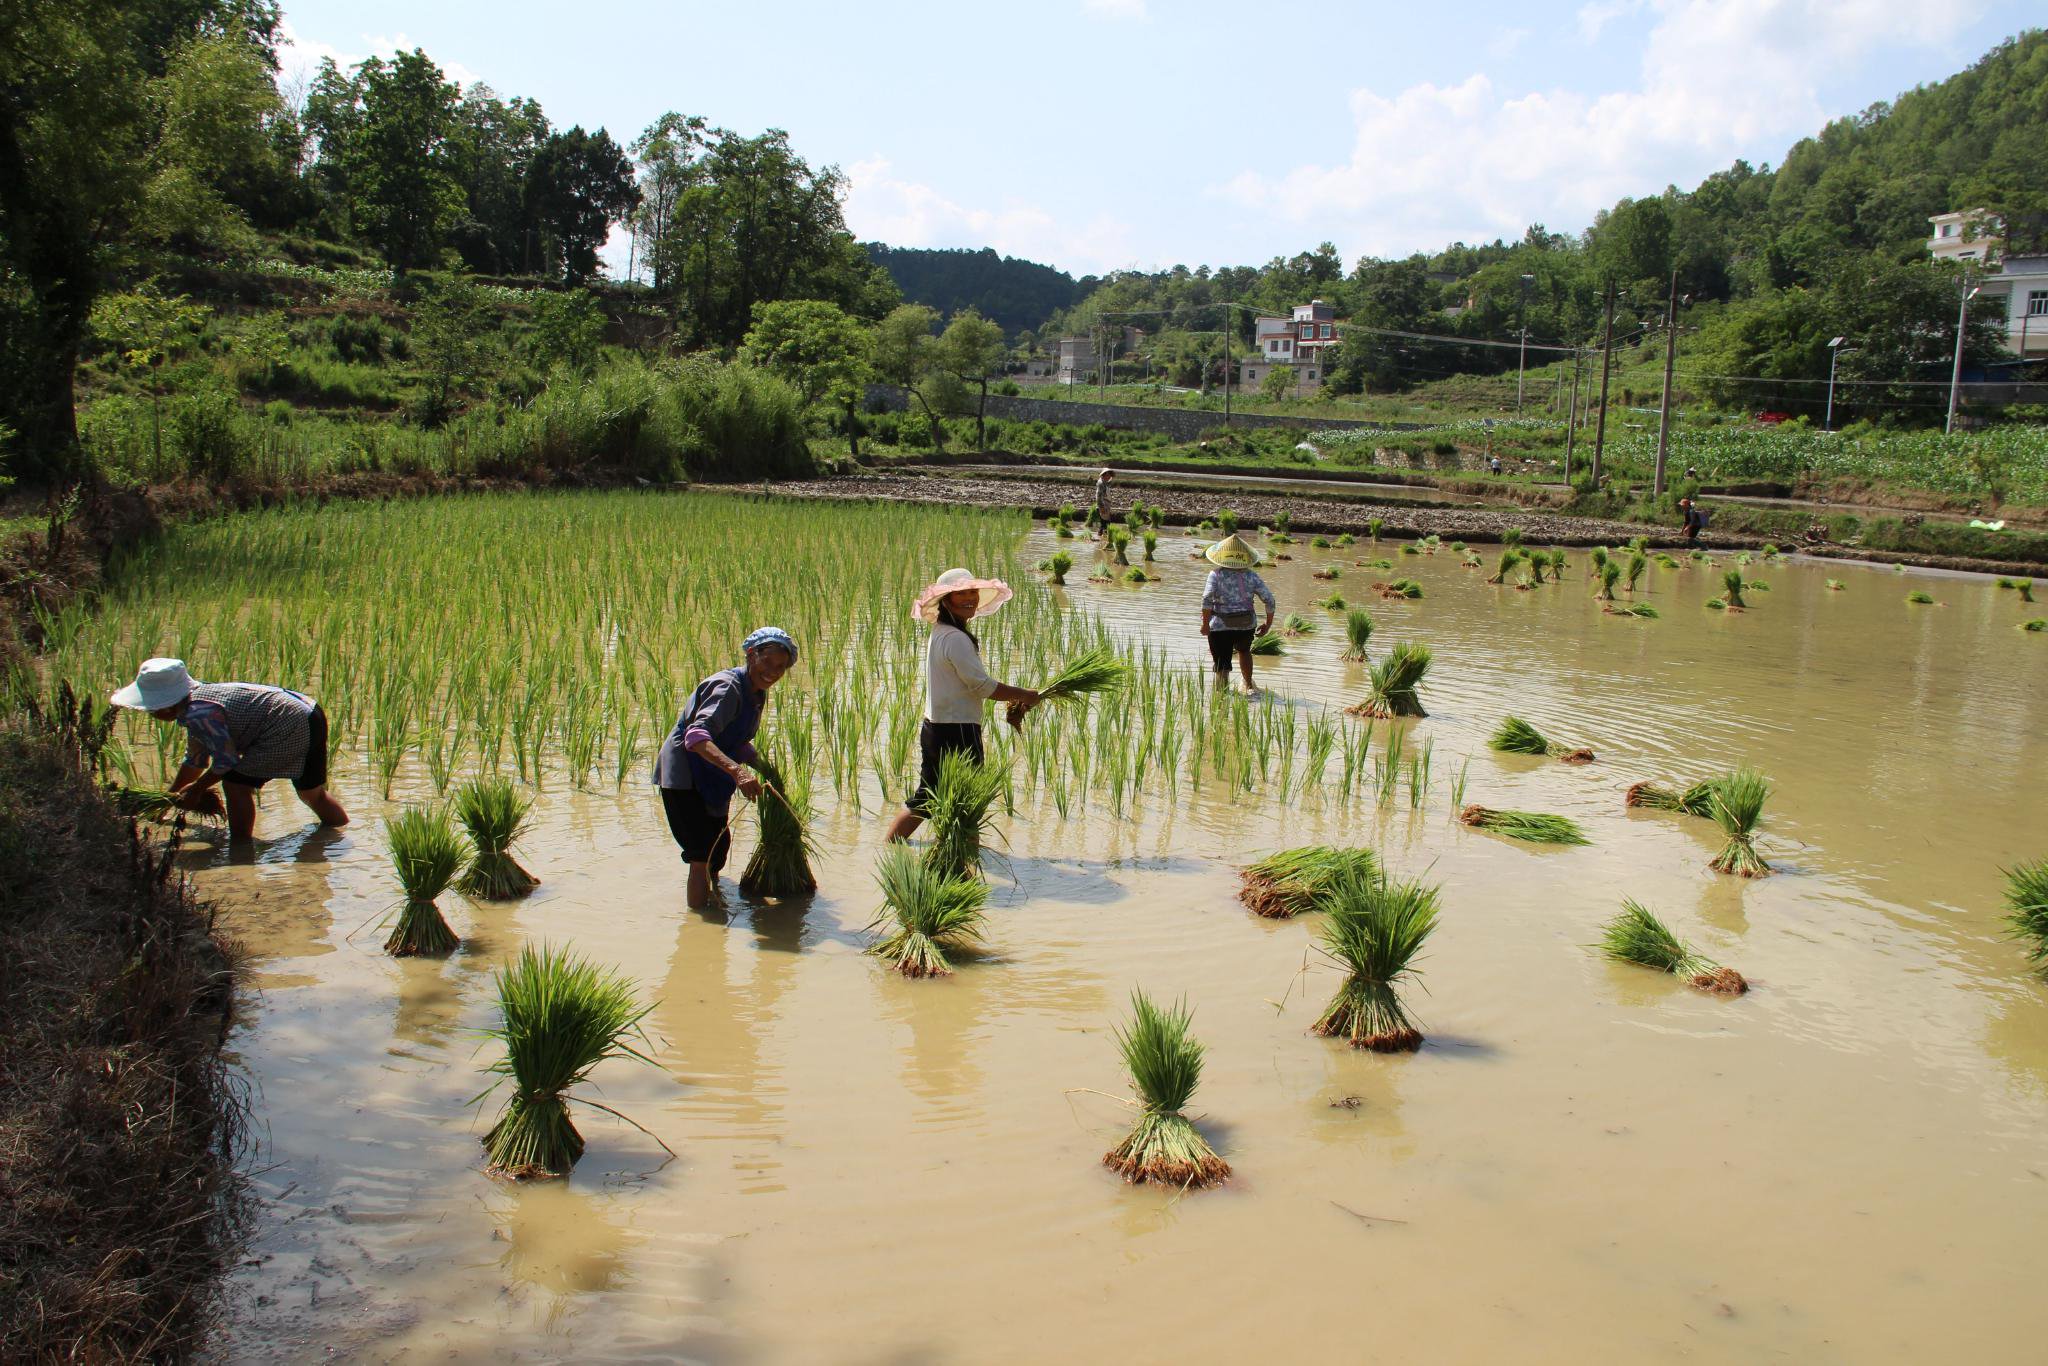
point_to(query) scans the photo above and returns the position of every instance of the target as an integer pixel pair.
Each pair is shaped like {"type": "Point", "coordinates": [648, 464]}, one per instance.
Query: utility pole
{"type": "Point", "coordinates": [1955, 378]}
{"type": "Point", "coordinates": [1606, 358]}
{"type": "Point", "coordinates": [1522, 358]}
{"type": "Point", "coordinates": [1226, 365]}
{"type": "Point", "coordinates": [1664, 408]}
{"type": "Point", "coordinates": [1571, 425]}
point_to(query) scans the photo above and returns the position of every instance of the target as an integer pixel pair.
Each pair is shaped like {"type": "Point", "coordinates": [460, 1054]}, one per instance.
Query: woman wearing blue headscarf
{"type": "Point", "coordinates": [706, 757]}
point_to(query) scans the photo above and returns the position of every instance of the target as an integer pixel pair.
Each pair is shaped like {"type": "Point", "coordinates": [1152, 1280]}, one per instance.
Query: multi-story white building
{"type": "Point", "coordinates": [1300, 343]}
{"type": "Point", "coordinates": [1975, 237]}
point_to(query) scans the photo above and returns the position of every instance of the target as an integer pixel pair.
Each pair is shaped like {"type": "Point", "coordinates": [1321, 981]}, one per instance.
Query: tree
{"type": "Point", "coordinates": [666, 156]}
{"type": "Point", "coordinates": [145, 330]}
{"type": "Point", "coordinates": [491, 148]}
{"type": "Point", "coordinates": [578, 186]}
{"type": "Point", "coordinates": [903, 345]}
{"type": "Point", "coordinates": [568, 330]}
{"type": "Point", "coordinates": [452, 344]}
{"type": "Point", "coordinates": [823, 353]}
{"type": "Point", "coordinates": [971, 351]}
{"type": "Point", "coordinates": [1278, 381]}
{"type": "Point", "coordinates": [402, 196]}
{"type": "Point", "coordinates": [214, 104]}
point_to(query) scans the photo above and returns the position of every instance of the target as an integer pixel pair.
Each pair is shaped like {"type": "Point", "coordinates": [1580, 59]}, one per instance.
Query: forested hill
{"type": "Point", "coordinates": [1014, 294]}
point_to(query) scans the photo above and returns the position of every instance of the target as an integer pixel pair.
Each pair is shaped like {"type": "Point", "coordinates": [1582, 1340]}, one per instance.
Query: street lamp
{"type": "Point", "coordinates": [1835, 350]}
{"type": "Point", "coordinates": [1955, 379]}
{"type": "Point", "coordinates": [1522, 322]}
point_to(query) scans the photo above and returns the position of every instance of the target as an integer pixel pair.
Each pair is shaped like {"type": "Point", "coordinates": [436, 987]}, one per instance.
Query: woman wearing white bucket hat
{"type": "Point", "coordinates": [956, 685]}
{"type": "Point", "coordinates": [242, 736]}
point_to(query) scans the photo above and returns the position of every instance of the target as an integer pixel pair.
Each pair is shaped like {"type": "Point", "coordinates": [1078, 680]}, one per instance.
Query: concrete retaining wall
{"type": "Point", "coordinates": [1180, 424]}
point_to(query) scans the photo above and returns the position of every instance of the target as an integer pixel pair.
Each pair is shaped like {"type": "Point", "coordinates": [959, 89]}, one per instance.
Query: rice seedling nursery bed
{"type": "Point", "coordinates": [844, 1132]}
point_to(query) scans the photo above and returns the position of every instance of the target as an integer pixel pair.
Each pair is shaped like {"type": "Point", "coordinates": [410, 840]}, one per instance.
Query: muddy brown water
{"type": "Point", "coordinates": [1585, 1162]}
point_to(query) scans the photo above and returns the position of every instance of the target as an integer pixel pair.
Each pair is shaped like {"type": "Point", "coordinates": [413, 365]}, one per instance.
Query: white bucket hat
{"type": "Point", "coordinates": [994, 593]}
{"type": "Point", "coordinates": [159, 683]}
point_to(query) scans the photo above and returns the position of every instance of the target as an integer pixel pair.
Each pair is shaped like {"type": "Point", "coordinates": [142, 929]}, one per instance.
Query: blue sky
{"type": "Point", "coordinates": [1103, 134]}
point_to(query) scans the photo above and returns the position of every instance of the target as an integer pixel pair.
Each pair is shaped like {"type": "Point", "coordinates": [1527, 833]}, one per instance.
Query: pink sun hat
{"type": "Point", "coordinates": [994, 593]}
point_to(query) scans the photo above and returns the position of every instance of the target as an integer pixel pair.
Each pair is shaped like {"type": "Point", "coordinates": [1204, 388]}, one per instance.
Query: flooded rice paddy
{"type": "Point", "coordinates": [1584, 1162]}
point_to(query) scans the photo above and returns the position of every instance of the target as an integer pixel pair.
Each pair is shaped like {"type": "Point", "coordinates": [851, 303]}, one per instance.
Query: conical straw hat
{"type": "Point", "coordinates": [1232, 553]}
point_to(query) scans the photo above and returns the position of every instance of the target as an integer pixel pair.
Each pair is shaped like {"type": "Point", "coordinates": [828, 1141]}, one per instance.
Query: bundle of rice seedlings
{"type": "Point", "coordinates": [1633, 609]}
{"type": "Point", "coordinates": [1716, 605]}
{"type": "Point", "coordinates": [1770, 549]}
{"type": "Point", "coordinates": [1458, 547]}
{"type": "Point", "coordinates": [1638, 545]}
{"type": "Point", "coordinates": [428, 852]}
{"type": "Point", "coordinates": [1226, 521]}
{"type": "Point", "coordinates": [1537, 564]}
{"type": "Point", "coordinates": [1165, 1065]}
{"type": "Point", "coordinates": [1136, 575]}
{"type": "Point", "coordinates": [2037, 624]}
{"type": "Point", "coordinates": [1757, 586]}
{"type": "Point", "coordinates": [1898, 569]}
{"type": "Point", "coordinates": [1732, 585]}
{"type": "Point", "coordinates": [1920, 597]}
{"type": "Point", "coordinates": [959, 813]}
{"type": "Point", "coordinates": [1279, 538]}
{"type": "Point", "coordinates": [1504, 566]}
{"type": "Point", "coordinates": [2026, 893]}
{"type": "Point", "coordinates": [1319, 542]}
{"type": "Point", "coordinates": [1374, 564]}
{"type": "Point", "coordinates": [1372, 527]}
{"type": "Point", "coordinates": [1666, 561]}
{"type": "Point", "coordinates": [781, 863]}
{"type": "Point", "coordinates": [1395, 679]}
{"type": "Point", "coordinates": [1374, 929]}
{"type": "Point", "coordinates": [2008, 583]}
{"type": "Point", "coordinates": [1699, 555]}
{"type": "Point", "coordinates": [1638, 936]}
{"type": "Point", "coordinates": [1357, 631]}
{"type": "Point", "coordinates": [1058, 565]}
{"type": "Point", "coordinates": [1531, 827]}
{"type": "Point", "coordinates": [493, 813]}
{"type": "Point", "coordinates": [2026, 588]}
{"type": "Point", "coordinates": [1295, 624]}
{"type": "Point", "coordinates": [933, 913]}
{"type": "Point", "coordinates": [1268, 644]}
{"type": "Point", "coordinates": [1610, 574]}
{"type": "Point", "coordinates": [1638, 562]}
{"type": "Point", "coordinates": [1095, 670]}
{"type": "Point", "coordinates": [1066, 512]}
{"type": "Point", "coordinates": [559, 1017]}
{"type": "Point", "coordinates": [1557, 564]}
{"type": "Point", "coordinates": [1283, 521]}
{"type": "Point", "coordinates": [1738, 802]}
{"type": "Point", "coordinates": [1290, 882]}
{"type": "Point", "coordinates": [1151, 543]}
{"type": "Point", "coordinates": [1834, 585]}
{"type": "Point", "coordinates": [1599, 562]}
{"type": "Point", "coordinates": [1512, 538]}
{"type": "Point", "coordinates": [1119, 545]}
{"type": "Point", "coordinates": [1327, 572]}
{"type": "Point", "coordinates": [1516, 736]}
{"type": "Point", "coordinates": [1697, 799]}
{"type": "Point", "coordinates": [1333, 603]}
{"type": "Point", "coordinates": [1399, 588]}
{"type": "Point", "coordinates": [1470, 559]}
{"type": "Point", "coordinates": [1412, 548]}
{"type": "Point", "coordinates": [161, 804]}
{"type": "Point", "coordinates": [1347, 539]}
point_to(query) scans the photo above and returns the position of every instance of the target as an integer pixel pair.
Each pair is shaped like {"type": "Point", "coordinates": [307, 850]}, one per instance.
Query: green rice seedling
{"type": "Point", "coordinates": [1226, 521]}
{"type": "Point", "coordinates": [1557, 564]}
{"type": "Point", "coordinates": [1638, 562]}
{"type": "Point", "coordinates": [1834, 585]}
{"type": "Point", "coordinates": [1412, 548]}
{"type": "Point", "coordinates": [1295, 624]}
{"type": "Point", "coordinates": [1399, 588]}
{"type": "Point", "coordinates": [428, 852]}
{"type": "Point", "coordinates": [160, 804]}
{"type": "Point", "coordinates": [931, 914]}
{"type": "Point", "coordinates": [2008, 583]}
{"type": "Point", "coordinates": [1165, 1066]}
{"type": "Point", "coordinates": [559, 1016]}
{"type": "Point", "coordinates": [1333, 603]}
{"type": "Point", "coordinates": [493, 813]}
{"type": "Point", "coordinates": [1097, 670]}
{"type": "Point", "coordinates": [1666, 561]}
{"type": "Point", "coordinates": [1537, 564]}
{"type": "Point", "coordinates": [1119, 545]}
{"type": "Point", "coordinates": [1757, 585]}
{"type": "Point", "coordinates": [1058, 565]}
{"type": "Point", "coordinates": [1512, 538]}
{"type": "Point", "coordinates": [2026, 590]}
{"type": "Point", "coordinates": [1532, 827]}
{"type": "Point", "coordinates": [1509, 558]}
{"type": "Point", "coordinates": [1919, 597]}
{"type": "Point", "coordinates": [1373, 930]}
{"type": "Point", "coordinates": [1357, 632]}
{"type": "Point", "coordinates": [1458, 786]}
{"type": "Point", "coordinates": [781, 862]}
{"type": "Point", "coordinates": [1637, 936]}
{"type": "Point", "coordinates": [1898, 569]}
{"type": "Point", "coordinates": [1699, 555]}
{"type": "Point", "coordinates": [1327, 573]}
{"type": "Point", "coordinates": [1695, 799]}
{"type": "Point", "coordinates": [960, 814]}
{"type": "Point", "coordinates": [1151, 538]}
{"type": "Point", "coordinates": [1067, 512]}
{"type": "Point", "coordinates": [1136, 575]}
{"type": "Point", "coordinates": [1347, 539]}
{"type": "Point", "coordinates": [1395, 680]}
{"type": "Point", "coordinates": [1743, 557]}
{"type": "Point", "coordinates": [1732, 585]}
{"type": "Point", "coordinates": [1268, 644]}
{"type": "Point", "coordinates": [1610, 574]}
{"type": "Point", "coordinates": [1738, 804]}
{"type": "Point", "coordinates": [1063, 531]}
{"type": "Point", "coordinates": [1516, 736]}
{"type": "Point", "coordinates": [1770, 549]}
{"type": "Point", "coordinates": [1598, 561]}
{"type": "Point", "coordinates": [1319, 542]}
{"type": "Point", "coordinates": [2026, 899]}
{"type": "Point", "coordinates": [1716, 605]}
{"type": "Point", "coordinates": [1283, 521]}
{"type": "Point", "coordinates": [1470, 560]}
{"type": "Point", "coordinates": [2036, 624]}
{"type": "Point", "coordinates": [1278, 538]}
{"type": "Point", "coordinates": [1633, 609]}
{"type": "Point", "coordinates": [1373, 526]}
{"type": "Point", "coordinates": [1458, 547]}
{"type": "Point", "coordinates": [1290, 882]}
{"type": "Point", "coordinates": [1638, 545]}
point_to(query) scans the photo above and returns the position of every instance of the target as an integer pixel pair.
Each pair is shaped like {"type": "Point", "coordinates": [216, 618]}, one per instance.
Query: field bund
{"type": "Point", "coordinates": [1584, 1162]}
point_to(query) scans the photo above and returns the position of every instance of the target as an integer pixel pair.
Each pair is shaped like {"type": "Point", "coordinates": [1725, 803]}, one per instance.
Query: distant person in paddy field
{"type": "Point", "coordinates": [1102, 498]}
{"type": "Point", "coordinates": [1228, 619]}
{"type": "Point", "coordinates": [706, 757]}
{"type": "Point", "coordinates": [242, 736]}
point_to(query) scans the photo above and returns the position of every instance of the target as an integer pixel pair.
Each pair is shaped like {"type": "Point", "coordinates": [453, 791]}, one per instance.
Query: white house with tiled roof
{"type": "Point", "coordinates": [1975, 238]}
{"type": "Point", "coordinates": [1301, 343]}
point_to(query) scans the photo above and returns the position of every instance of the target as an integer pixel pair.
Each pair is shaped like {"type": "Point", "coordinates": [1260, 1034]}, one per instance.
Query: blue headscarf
{"type": "Point", "coordinates": [770, 635]}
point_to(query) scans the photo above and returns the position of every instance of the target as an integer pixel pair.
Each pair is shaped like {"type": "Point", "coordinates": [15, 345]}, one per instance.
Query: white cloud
{"type": "Point", "coordinates": [1472, 161]}
{"type": "Point", "coordinates": [882, 206]}
{"type": "Point", "coordinates": [1115, 9]}
{"type": "Point", "coordinates": [1599, 14]}
{"type": "Point", "coordinates": [299, 57]}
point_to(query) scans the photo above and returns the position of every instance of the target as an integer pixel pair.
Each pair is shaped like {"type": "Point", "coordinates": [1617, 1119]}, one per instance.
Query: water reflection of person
{"type": "Point", "coordinates": [706, 757]}
{"type": "Point", "coordinates": [242, 736]}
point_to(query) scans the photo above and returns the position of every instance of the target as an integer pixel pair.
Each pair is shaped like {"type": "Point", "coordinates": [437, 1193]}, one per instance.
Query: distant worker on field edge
{"type": "Point", "coordinates": [1102, 498]}
{"type": "Point", "coordinates": [706, 757]}
{"type": "Point", "coordinates": [242, 736]}
{"type": "Point", "coordinates": [1695, 520]}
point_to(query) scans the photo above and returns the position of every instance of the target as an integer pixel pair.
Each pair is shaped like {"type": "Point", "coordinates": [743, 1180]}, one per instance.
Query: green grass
{"type": "Point", "coordinates": [1165, 1065]}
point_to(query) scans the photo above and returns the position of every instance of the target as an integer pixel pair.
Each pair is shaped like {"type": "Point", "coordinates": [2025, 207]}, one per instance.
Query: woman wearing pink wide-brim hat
{"type": "Point", "coordinates": [956, 685]}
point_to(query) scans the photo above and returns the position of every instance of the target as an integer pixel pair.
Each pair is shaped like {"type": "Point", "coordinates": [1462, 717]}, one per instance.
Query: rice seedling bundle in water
{"type": "Point", "coordinates": [1151, 544]}
{"type": "Point", "coordinates": [1920, 597]}
{"type": "Point", "coordinates": [1633, 609]}
{"type": "Point", "coordinates": [1295, 624]}
{"type": "Point", "coordinates": [1537, 564]}
{"type": "Point", "coordinates": [1738, 803]}
{"type": "Point", "coordinates": [1637, 936]}
{"type": "Point", "coordinates": [1226, 521]}
{"type": "Point", "coordinates": [1400, 588]}
{"type": "Point", "coordinates": [1395, 681]}
{"type": "Point", "coordinates": [781, 862]}
{"type": "Point", "coordinates": [1516, 736]}
{"type": "Point", "coordinates": [1732, 586]}
{"type": "Point", "coordinates": [1696, 799]}
{"type": "Point", "coordinates": [1373, 526]}
{"type": "Point", "coordinates": [559, 1017]}
{"type": "Point", "coordinates": [1327, 573]}
{"type": "Point", "coordinates": [1598, 561]}
{"type": "Point", "coordinates": [1290, 882]}
{"type": "Point", "coordinates": [1557, 565]}
{"type": "Point", "coordinates": [1119, 544]}
{"type": "Point", "coordinates": [428, 852]}
{"type": "Point", "coordinates": [1512, 538]}
{"type": "Point", "coordinates": [1637, 563]}
{"type": "Point", "coordinates": [1610, 574]}
{"type": "Point", "coordinates": [1319, 542]}
{"type": "Point", "coordinates": [2026, 899]}
{"type": "Point", "coordinates": [1267, 644]}
{"type": "Point", "coordinates": [1136, 575]}
{"type": "Point", "coordinates": [1165, 1066]}
{"type": "Point", "coordinates": [1096, 670]}
{"type": "Point", "coordinates": [1834, 585]}
{"type": "Point", "coordinates": [959, 812]}
{"type": "Point", "coordinates": [1531, 827]}
{"type": "Point", "coordinates": [1058, 565]}
{"type": "Point", "coordinates": [1357, 632]}
{"type": "Point", "coordinates": [161, 804]}
{"type": "Point", "coordinates": [2026, 587]}
{"type": "Point", "coordinates": [1373, 929]}
{"type": "Point", "coordinates": [1333, 603]}
{"type": "Point", "coordinates": [2037, 624]}
{"type": "Point", "coordinates": [1347, 539]}
{"type": "Point", "coordinates": [1509, 558]}
{"type": "Point", "coordinates": [930, 914]}
{"type": "Point", "coordinates": [494, 814]}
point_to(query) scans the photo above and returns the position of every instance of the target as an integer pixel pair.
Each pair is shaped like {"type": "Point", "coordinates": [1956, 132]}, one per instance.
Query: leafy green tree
{"type": "Point", "coordinates": [263, 341]}
{"type": "Point", "coordinates": [819, 349]}
{"type": "Point", "coordinates": [666, 157]}
{"type": "Point", "coordinates": [144, 330]}
{"type": "Point", "coordinates": [578, 186]}
{"type": "Point", "coordinates": [452, 343]}
{"type": "Point", "coordinates": [401, 194]}
{"type": "Point", "coordinates": [491, 147]}
{"type": "Point", "coordinates": [971, 352]}
{"type": "Point", "coordinates": [215, 103]}
{"type": "Point", "coordinates": [1277, 384]}
{"type": "Point", "coordinates": [568, 330]}
{"type": "Point", "coordinates": [903, 356]}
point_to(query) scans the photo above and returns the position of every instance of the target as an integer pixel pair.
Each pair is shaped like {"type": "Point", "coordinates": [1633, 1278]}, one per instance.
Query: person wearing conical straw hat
{"type": "Point", "coordinates": [242, 736]}
{"type": "Point", "coordinates": [1228, 618]}
{"type": "Point", "coordinates": [956, 684]}
{"type": "Point", "coordinates": [706, 757]}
